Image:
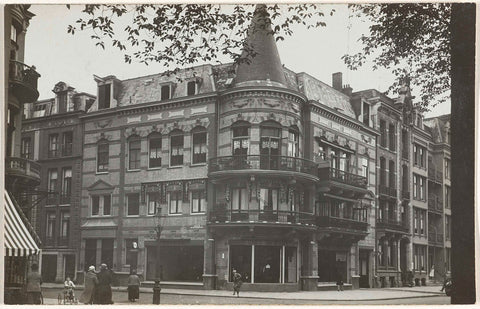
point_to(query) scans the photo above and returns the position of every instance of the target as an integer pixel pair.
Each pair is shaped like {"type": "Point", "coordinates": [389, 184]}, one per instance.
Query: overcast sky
{"type": "Point", "coordinates": [59, 56]}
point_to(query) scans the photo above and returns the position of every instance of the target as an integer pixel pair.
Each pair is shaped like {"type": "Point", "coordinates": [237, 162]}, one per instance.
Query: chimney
{"type": "Point", "coordinates": [347, 90]}
{"type": "Point", "coordinates": [337, 81]}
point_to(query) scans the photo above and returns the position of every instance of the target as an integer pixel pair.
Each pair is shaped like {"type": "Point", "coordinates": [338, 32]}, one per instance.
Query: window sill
{"type": "Point", "coordinates": [175, 166]}
{"type": "Point", "coordinates": [198, 164]}
{"type": "Point", "coordinates": [135, 170]}
{"type": "Point", "coordinates": [179, 214]}
{"type": "Point", "coordinates": [154, 168]}
{"type": "Point", "coordinates": [100, 216]}
{"type": "Point", "coordinates": [197, 213]}
{"type": "Point", "coordinates": [101, 173]}
{"type": "Point", "coordinates": [132, 216]}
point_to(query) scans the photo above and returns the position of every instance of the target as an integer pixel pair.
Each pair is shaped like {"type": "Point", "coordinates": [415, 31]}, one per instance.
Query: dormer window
{"type": "Point", "coordinates": [104, 96]}
{"type": "Point", "coordinates": [165, 92]}
{"type": "Point", "coordinates": [366, 113]}
{"type": "Point", "coordinates": [192, 88]}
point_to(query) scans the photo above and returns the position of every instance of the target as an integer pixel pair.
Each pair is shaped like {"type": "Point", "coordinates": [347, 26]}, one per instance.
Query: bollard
{"type": "Point", "coordinates": [156, 292]}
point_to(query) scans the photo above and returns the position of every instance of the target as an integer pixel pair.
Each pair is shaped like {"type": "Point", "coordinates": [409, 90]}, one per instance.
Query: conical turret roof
{"type": "Point", "coordinates": [265, 67]}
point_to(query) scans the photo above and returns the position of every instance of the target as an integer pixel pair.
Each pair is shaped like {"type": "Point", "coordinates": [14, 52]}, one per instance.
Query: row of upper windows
{"type": "Point", "coordinates": [101, 205]}
{"type": "Point", "coordinates": [58, 145]}
{"type": "Point", "coordinates": [166, 92]}
{"type": "Point", "coordinates": [177, 141]}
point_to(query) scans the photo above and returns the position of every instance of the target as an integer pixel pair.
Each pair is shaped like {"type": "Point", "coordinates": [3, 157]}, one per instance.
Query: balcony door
{"type": "Point", "coordinates": [270, 145]}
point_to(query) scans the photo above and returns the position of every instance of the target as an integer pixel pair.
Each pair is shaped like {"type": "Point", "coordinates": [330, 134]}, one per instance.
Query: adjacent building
{"type": "Point", "coordinates": [293, 183]}
{"type": "Point", "coordinates": [52, 135]}
{"type": "Point", "coordinates": [22, 175]}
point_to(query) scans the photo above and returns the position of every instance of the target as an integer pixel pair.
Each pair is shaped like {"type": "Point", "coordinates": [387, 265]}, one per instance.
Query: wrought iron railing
{"type": "Point", "coordinates": [435, 238]}
{"type": "Point", "coordinates": [23, 166]}
{"type": "Point", "coordinates": [405, 194]}
{"type": "Point", "coordinates": [20, 72]}
{"type": "Point", "coordinates": [434, 173]}
{"type": "Point", "coordinates": [392, 223]}
{"type": "Point", "coordinates": [342, 223]}
{"type": "Point", "coordinates": [435, 203]}
{"type": "Point", "coordinates": [65, 199]}
{"type": "Point", "coordinates": [328, 173]}
{"type": "Point", "coordinates": [262, 162]}
{"type": "Point", "coordinates": [261, 216]}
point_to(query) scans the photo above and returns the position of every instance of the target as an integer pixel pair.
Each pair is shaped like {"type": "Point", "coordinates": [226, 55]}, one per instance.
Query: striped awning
{"type": "Point", "coordinates": [18, 240]}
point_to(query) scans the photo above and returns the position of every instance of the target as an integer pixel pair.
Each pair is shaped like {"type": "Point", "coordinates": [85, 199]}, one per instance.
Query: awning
{"type": "Point", "coordinates": [18, 240]}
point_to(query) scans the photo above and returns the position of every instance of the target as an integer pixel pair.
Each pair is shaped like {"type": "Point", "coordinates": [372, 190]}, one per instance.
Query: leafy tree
{"type": "Point", "coordinates": [182, 35]}
{"type": "Point", "coordinates": [410, 39]}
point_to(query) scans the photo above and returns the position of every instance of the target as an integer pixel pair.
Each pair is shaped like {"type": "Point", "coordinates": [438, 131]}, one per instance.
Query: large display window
{"type": "Point", "coordinates": [264, 264]}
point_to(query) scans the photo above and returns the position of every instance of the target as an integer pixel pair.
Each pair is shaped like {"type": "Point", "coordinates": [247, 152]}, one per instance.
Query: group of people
{"type": "Point", "coordinates": [98, 286]}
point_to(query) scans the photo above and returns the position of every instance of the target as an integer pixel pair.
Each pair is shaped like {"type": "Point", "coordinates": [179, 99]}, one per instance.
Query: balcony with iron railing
{"type": "Point", "coordinates": [23, 81]}
{"type": "Point", "coordinates": [435, 239]}
{"type": "Point", "coordinates": [339, 176]}
{"type": "Point", "coordinates": [435, 203]}
{"type": "Point", "coordinates": [275, 165]}
{"type": "Point", "coordinates": [27, 171]}
{"type": "Point", "coordinates": [435, 174]}
{"type": "Point", "coordinates": [257, 216]}
{"type": "Point", "coordinates": [342, 224]}
{"type": "Point", "coordinates": [405, 194]}
{"type": "Point", "coordinates": [387, 191]}
{"type": "Point", "coordinates": [392, 224]}
{"type": "Point", "coordinates": [63, 241]}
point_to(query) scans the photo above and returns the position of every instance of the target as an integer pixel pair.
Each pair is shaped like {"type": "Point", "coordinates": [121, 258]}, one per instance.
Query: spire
{"type": "Point", "coordinates": [265, 67]}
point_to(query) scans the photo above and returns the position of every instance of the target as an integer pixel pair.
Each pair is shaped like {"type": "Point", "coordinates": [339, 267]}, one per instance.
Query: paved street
{"type": "Point", "coordinates": [417, 296]}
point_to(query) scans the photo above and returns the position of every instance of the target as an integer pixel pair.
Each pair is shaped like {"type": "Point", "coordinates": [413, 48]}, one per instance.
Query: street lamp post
{"type": "Point", "coordinates": [158, 266]}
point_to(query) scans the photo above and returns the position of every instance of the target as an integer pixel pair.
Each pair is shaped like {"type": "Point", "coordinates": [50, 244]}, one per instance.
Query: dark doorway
{"type": "Point", "coordinates": [49, 268]}
{"type": "Point", "coordinates": [331, 265]}
{"type": "Point", "coordinates": [241, 261]}
{"type": "Point", "coordinates": [364, 268]}
{"type": "Point", "coordinates": [69, 266]}
{"type": "Point", "coordinates": [90, 253]}
{"type": "Point", "coordinates": [267, 264]}
{"type": "Point", "coordinates": [107, 252]}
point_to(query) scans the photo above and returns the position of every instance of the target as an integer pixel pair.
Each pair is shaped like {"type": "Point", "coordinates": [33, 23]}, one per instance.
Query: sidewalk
{"type": "Point", "coordinates": [349, 295]}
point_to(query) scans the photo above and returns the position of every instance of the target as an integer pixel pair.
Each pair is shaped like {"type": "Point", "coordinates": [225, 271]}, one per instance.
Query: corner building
{"type": "Point", "coordinates": [250, 167]}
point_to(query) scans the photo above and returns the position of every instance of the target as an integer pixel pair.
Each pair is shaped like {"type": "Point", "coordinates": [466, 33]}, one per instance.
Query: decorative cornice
{"type": "Point", "coordinates": [154, 106]}
{"type": "Point", "coordinates": [342, 119]}
{"type": "Point", "coordinates": [278, 92]}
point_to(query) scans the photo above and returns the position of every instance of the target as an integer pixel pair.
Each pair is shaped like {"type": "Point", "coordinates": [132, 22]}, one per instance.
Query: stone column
{"type": "Point", "coordinates": [209, 271]}
{"type": "Point", "coordinates": [310, 276]}
{"type": "Point", "coordinates": [409, 256]}
{"type": "Point", "coordinates": [60, 268]}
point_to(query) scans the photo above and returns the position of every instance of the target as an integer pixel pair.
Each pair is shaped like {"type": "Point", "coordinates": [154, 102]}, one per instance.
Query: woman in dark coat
{"type": "Point", "coordinates": [103, 293]}
{"type": "Point", "coordinates": [339, 276]}
{"type": "Point", "coordinates": [133, 286]}
{"type": "Point", "coordinates": [90, 283]}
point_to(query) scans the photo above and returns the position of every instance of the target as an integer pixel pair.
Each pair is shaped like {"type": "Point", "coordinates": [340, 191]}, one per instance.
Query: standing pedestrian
{"type": "Point", "coordinates": [237, 282]}
{"type": "Point", "coordinates": [339, 276]}
{"type": "Point", "coordinates": [103, 293]}
{"type": "Point", "coordinates": [34, 291]}
{"type": "Point", "coordinates": [431, 275]}
{"type": "Point", "coordinates": [133, 286]}
{"type": "Point", "coordinates": [91, 282]}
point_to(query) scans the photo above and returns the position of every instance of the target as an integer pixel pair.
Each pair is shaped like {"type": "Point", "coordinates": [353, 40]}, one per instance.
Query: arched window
{"type": "Point", "coordinates": [293, 142]}
{"type": "Point", "coordinates": [270, 133]}
{"type": "Point", "coordinates": [240, 138]}
{"type": "Point", "coordinates": [154, 150]}
{"type": "Point", "coordinates": [199, 138]}
{"type": "Point", "coordinates": [102, 156]}
{"type": "Point", "coordinates": [134, 152]}
{"type": "Point", "coordinates": [176, 147]}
